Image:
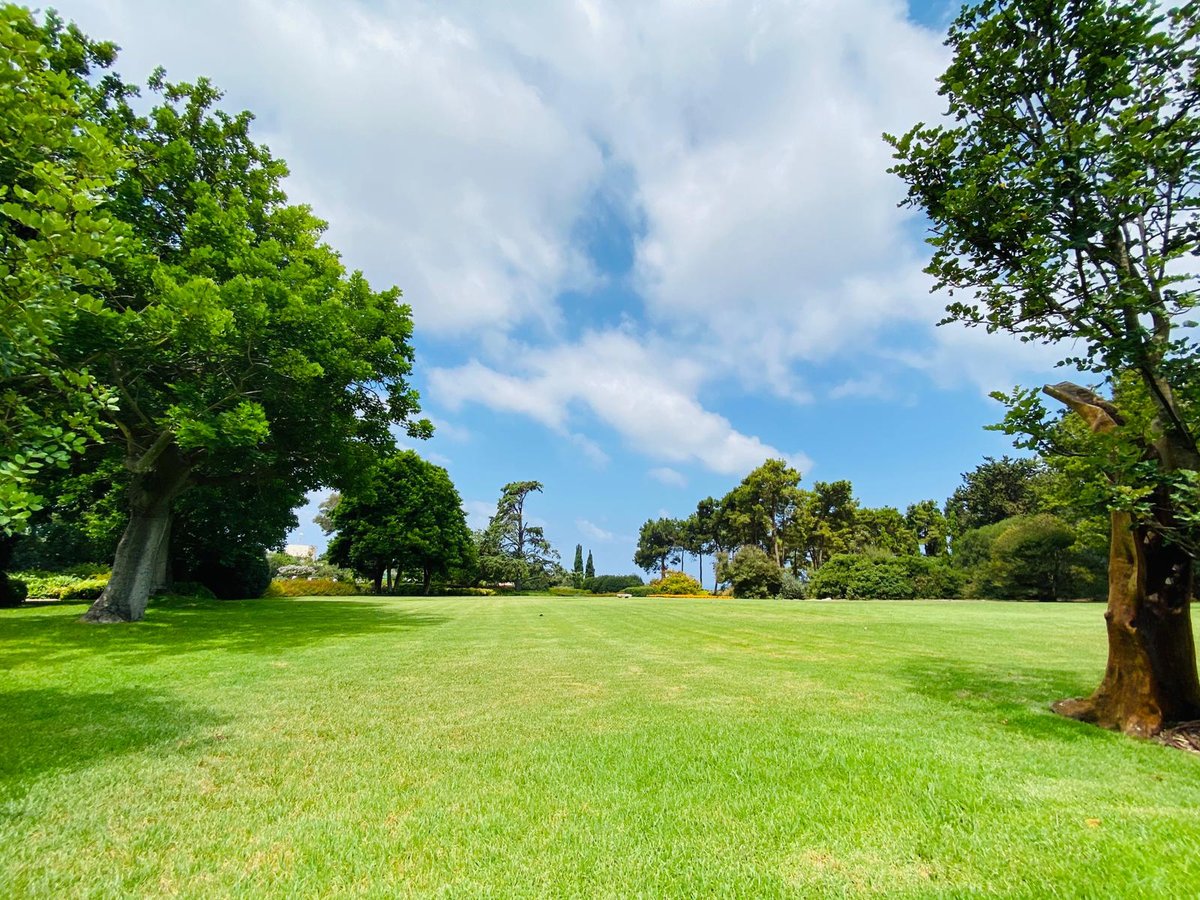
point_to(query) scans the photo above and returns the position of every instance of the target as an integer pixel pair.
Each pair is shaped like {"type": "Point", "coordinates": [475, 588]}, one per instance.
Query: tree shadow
{"type": "Point", "coordinates": [1015, 699]}
{"type": "Point", "coordinates": [269, 626]}
{"type": "Point", "coordinates": [47, 730]}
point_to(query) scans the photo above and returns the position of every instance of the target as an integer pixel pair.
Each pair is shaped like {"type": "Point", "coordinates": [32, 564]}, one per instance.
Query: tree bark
{"type": "Point", "coordinates": [1150, 681]}
{"type": "Point", "coordinates": [141, 563]}
{"type": "Point", "coordinates": [427, 577]}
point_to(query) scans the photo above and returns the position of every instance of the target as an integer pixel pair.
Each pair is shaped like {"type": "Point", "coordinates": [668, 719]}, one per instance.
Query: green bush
{"type": "Point", "coordinates": [87, 589]}
{"type": "Point", "coordinates": [564, 591]}
{"type": "Point", "coordinates": [856, 576]}
{"type": "Point", "coordinates": [244, 577]}
{"type": "Point", "coordinates": [13, 591]}
{"type": "Point", "coordinates": [638, 590]}
{"type": "Point", "coordinates": [611, 584]}
{"type": "Point", "coordinates": [751, 573]}
{"type": "Point", "coordinates": [790, 587]}
{"type": "Point", "coordinates": [676, 583]}
{"type": "Point", "coordinates": [66, 586]}
{"type": "Point", "coordinates": [191, 589]}
{"type": "Point", "coordinates": [304, 587]}
{"type": "Point", "coordinates": [416, 589]}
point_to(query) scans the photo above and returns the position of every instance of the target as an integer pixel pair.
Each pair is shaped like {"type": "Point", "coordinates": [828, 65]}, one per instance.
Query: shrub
{"type": "Point", "coordinates": [676, 583]}
{"type": "Point", "coordinates": [611, 584]}
{"type": "Point", "coordinates": [875, 577]}
{"type": "Point", "coordinates": [304, 587]}
{"type": "Point", "coordinates": [790, 587]}
{"type": "Point", "coordinates": [244, 578]}
{"type": "Point", "coordinates": [13, 591]}
{"type": "Point", "coordinates": [191, 589]}
{"type": "Point", "coordinates": [66, 586]}
{"type": "Point", "coordinates": [86, 589]}
{"type": "Point", "coordinates": [751, 573]}
{"type": "Point", "coordinates": [564, 591]}
{"type": "Point", "coordinates": [638, 590]}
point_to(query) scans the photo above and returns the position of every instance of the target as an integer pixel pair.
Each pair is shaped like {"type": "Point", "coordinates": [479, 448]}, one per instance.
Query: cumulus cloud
{"type": "Point", "coordinates": [647, 397]}
{"type": "Point", "coordinates": [668, 476]}
{"type": "Point", "coordinates": [479, 513]}
{"type": "Point", "coordinates": [594, 531]}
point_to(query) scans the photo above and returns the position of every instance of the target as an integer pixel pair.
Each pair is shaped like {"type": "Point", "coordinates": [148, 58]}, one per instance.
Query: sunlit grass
{"type": "Point", "coordinates": [577, 747]}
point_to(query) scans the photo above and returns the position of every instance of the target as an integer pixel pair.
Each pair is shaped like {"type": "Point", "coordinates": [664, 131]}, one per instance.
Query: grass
{"type": "Point", "coordinates": [508, 747]}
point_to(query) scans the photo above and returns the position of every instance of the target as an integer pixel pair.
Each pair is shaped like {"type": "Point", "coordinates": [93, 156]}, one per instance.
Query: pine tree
{"type": "Point", "coordinates": [590, 571]}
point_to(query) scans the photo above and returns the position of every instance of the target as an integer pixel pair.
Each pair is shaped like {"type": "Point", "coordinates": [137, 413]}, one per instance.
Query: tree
{"type": "Point", "coordinates": [407, 515]}
{"type": "Point", "coordinates": [56, 167]}
{"type": "Point", "coordinates": [236, 344]}
{"type": "Point", "coordinates": [832, 513]}
{"type": "Point", "coordinates": [751, 573]}
{"type": "Point", "coordinates": [577, 568]}
{"type": "Point", "coordinates": [589, 570]}
{"type": "Point", "coordinates": [1027, 558]}
{"type": "Point", "coordinates": [929, 525]}
{"type": "Point", "coordinates": [884, 530]}
{"type": "Point", "coordinates": [995, 490]}
{"type": "Point", "coordinates": [1063, 202]}
{"type": "Point", "coordinates": [659, 544]}
{"type": "Point", "coordinates": [510, 549]}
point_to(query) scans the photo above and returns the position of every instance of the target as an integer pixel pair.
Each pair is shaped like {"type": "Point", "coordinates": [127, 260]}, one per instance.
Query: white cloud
{"type": "Point", "coordinates": [593, 531]}
{"type": "Point", "coordinates": [479, 513]}
{"type": "Point", "coordinates": [668, 476]}
{"type": "Point", "coordinates": [643, 393]}
{"type": "Point", "coordinates": [455, 148]}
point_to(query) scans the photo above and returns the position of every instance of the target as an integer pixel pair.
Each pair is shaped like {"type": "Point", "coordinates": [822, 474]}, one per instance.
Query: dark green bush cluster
{"type": "Point", "coordinates": [877, 577]}
{"type": "Point", "coordinates": [611, 584]}
{"type": "Point", "coordinates": [750, 573]}
{"type": "Point", "coordinates": [191, 589]}
{"type": "Point", "coordinates": [416, 589]}
{"type": "Point", "coordinates": [13, 591]}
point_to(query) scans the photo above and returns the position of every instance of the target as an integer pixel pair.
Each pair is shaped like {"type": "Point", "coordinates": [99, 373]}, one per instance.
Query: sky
{"type": "Point", "coordinates": [647, 245]}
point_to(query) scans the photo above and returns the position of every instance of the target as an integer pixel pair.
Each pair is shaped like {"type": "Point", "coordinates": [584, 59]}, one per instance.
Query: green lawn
{"type": "Point", "coordinates": [577, 747]}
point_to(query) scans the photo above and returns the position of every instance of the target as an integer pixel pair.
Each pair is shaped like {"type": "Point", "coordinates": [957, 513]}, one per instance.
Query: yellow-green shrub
{"type": "Point", "coordinates": [306, 587]}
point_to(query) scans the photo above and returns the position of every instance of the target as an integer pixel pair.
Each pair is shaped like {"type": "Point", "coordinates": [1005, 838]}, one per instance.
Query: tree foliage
{"type": "Point", "coordinates": [511, 549]}
{"type": "Point", "coordinates": [1063, 195]}
{"type": "Point", "coordinates": [407, 516]}
{"type": "Point", "coordinates": [57, 166]}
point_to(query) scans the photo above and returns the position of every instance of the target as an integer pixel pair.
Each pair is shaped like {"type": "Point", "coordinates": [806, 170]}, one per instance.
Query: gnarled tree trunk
{"type": "Point", "coordinates": [141, 564]}
{"type": "Point", "coordinates": [1150, 681]}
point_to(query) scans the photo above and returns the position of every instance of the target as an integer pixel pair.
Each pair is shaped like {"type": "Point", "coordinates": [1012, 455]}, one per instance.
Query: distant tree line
{"type": "Point", "coordinates": [1011, 530]}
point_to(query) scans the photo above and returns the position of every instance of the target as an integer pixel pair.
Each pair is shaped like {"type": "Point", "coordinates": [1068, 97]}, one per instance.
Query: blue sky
{"type": "Point", "coordinates": [647, 245]}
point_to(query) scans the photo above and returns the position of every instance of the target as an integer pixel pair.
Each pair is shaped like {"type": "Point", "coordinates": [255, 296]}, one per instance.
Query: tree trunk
{"type": "Point", "coordinates": [140, 565]}
{"type": "Point", "coordinates": [378, 579]}
{"type": "Point", "coordinates": [1150, 681]}
{"type": "Point", "coordinates": [427, 578]}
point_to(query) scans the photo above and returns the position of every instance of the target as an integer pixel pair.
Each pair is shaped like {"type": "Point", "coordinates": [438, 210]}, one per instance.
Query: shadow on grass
{"type": "Point", "coordinates": [176, 626]}
{"type": "Point", "coordinates": [48, 730]}
{"type": "Point", "coordinates": [1017, 699]}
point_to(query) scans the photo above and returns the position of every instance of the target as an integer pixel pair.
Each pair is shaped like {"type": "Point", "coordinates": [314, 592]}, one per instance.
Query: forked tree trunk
{"type": "Point", "coordinates": [1150, 681]}
{"type": "Point", "coordinates": [140, 566]}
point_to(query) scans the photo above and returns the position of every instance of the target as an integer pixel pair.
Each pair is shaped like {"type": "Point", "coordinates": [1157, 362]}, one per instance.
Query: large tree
{"type": "Point", "coordinates": [512, 549]}
{"type": "Point", "coordinates": [660, 543]}
{"type": "Point", "coordinates": [405, 515]}
{"type": "Point", "coordinates": [1063, 197]}
{"type": "Point", "coordinates": [57, 165]}
{"type": "Point", "coordinates": [235, 342]}
{"type": "Point", "coordinates": [995, 490]}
